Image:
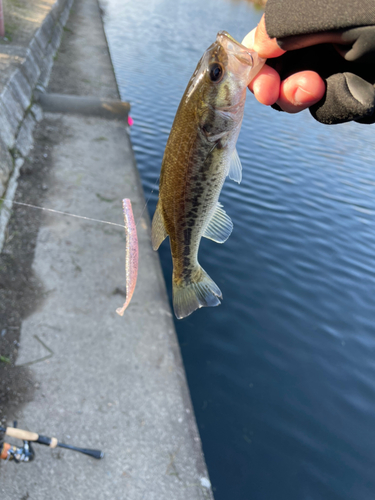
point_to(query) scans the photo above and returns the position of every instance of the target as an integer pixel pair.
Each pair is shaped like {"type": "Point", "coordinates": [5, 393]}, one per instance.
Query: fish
{"type": "Point", "coordinates": [131, 254]}
{"type": "Point", "coordinates": [199, 155]}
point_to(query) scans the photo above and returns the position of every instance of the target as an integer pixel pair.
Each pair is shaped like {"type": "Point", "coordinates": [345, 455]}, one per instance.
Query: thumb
{"type": "Point", "coordinates": [259, 41]}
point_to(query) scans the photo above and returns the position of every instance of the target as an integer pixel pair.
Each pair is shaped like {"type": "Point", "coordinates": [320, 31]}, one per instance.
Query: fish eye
{"type": "Point", "coordinates": [216, 72]}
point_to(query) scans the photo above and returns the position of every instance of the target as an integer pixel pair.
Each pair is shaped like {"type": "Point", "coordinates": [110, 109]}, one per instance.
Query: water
{"type": "Point", "coordinates": [282, 374]}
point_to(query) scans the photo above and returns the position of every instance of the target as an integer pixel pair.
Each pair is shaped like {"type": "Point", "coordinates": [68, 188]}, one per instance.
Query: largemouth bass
{"type": "Point", "coordinates": [200, 153]}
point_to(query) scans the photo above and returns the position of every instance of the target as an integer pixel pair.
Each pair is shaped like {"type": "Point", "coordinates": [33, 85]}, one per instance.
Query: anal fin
{"type": "Point", "coordinates": [220, 226]}
{"type": "Point", "coordinates": [158, 231]}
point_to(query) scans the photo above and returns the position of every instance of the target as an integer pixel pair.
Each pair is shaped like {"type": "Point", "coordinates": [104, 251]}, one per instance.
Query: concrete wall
{"type": "Point", "coordinates": [18, 114]}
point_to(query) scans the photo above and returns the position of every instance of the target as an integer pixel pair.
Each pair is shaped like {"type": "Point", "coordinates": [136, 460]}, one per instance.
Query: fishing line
{"type": "Point", "coordinates": [62, 213]}
{"type": "Point", "coordinates": [148, 199]}
{"type": "Point", "coordinates": [59, 212]}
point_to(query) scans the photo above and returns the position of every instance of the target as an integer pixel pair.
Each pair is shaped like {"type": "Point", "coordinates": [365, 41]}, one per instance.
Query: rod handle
{"type": "Point", "coordinates": [21, 434]}
{"type": "Point", "coordinates": [51, 442]}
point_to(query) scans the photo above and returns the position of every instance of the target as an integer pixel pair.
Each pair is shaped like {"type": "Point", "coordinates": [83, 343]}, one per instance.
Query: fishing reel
{"type": "Point", "coordinates": [24, 454]}
{"type": "Point", "coordinates": [10, 452]}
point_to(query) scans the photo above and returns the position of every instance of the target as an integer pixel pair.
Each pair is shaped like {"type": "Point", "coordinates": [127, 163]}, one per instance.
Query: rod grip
{"type": "Point", "coordinates": [21, 434]}
{"type": "Point", "coordinates": [51, 442]}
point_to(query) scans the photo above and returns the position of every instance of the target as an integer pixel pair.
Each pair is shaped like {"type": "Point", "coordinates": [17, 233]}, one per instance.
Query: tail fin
{"type": "Point", "coordinates": [201, 292]}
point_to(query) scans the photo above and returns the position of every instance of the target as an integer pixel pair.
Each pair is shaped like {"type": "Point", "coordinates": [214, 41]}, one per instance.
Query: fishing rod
{"type": "Point", "coordinates": [26, 453]}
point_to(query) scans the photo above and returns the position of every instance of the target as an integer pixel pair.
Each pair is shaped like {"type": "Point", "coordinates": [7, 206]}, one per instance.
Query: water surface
{"type": "Point", "coordinates": [282, 374]}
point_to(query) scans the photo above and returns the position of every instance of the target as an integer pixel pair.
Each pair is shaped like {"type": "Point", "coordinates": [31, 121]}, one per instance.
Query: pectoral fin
{"type": "Point", "coordinates": [235, 167]}
{"type": "Point", "coordinates": [158, 232]}
{"type": "Point", "coordinates": [220, 226]}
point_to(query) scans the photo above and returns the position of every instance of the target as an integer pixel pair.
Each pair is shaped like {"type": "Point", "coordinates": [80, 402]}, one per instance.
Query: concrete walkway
{"type": "Point", "coordinates": [112, 383]}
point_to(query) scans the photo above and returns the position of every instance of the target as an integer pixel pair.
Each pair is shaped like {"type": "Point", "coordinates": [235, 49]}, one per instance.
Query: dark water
{"type": "Point", "coordinates": [282, 374]}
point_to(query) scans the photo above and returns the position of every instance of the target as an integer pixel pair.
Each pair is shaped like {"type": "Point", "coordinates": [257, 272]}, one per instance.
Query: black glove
{"type": "Point", "coordinates": [336, 39]}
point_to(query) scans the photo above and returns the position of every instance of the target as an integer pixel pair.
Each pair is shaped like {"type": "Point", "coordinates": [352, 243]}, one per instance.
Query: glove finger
{"type": "Point", "coordinates": [288, 17]}
{"type": "Point", "coordinates": [301, 41]}
{"type": "Point", "coordinates": [348, 97]}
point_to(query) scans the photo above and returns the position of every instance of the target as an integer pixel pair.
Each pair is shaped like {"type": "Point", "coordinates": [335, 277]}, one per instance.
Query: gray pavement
{"type": "Point", "coordinates": [112, 383]}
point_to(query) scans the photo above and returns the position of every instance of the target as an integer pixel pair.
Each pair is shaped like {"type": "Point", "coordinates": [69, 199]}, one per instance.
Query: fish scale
{"type": "Point", "coordinates": [199, 154]}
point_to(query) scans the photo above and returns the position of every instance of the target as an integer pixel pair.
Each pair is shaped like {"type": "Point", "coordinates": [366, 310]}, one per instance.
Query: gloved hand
{"type": "Point", "coordinates": [336, 39]}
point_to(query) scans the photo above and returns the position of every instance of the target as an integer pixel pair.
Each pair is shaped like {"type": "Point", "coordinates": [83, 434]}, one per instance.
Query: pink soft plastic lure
{"type": "Point", "coordinates": [131, 254]}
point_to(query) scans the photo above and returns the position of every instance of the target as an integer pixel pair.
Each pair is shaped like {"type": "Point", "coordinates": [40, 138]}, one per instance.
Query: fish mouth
{"type": "Point", "coordinates": [239, 51]}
